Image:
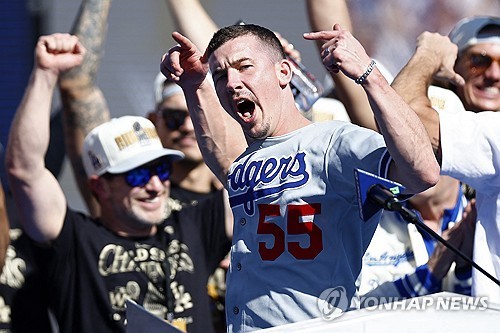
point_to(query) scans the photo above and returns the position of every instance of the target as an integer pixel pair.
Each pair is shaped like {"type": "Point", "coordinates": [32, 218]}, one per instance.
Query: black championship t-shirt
{"type": "Point", "coordinates": [91, 271]}
{"type": "Point", "coordinates": [23, 306]}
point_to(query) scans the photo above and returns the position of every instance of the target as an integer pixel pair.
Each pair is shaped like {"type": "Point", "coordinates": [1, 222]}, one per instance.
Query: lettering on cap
{"type": "Point", "coordinates": [138, 134]}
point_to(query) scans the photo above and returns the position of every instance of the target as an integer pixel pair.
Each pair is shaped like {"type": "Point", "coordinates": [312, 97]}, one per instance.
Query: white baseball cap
{"type": "Point", "coordinates": [164, 89]}
{"type": "Point", "coordinates": [474, 30]}
{"type": "Point", "coordinates": [123, 144]}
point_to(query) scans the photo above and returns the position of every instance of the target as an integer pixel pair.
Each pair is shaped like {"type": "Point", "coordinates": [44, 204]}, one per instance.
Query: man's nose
{"type": "Point", "coordinates": [233, 80]}
{"type": "Point", "coordinates": [493, 70]}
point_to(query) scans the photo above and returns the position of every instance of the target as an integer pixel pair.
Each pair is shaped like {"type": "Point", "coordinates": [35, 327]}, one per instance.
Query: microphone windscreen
{"type": "Point", "coordinates": [364, 181]}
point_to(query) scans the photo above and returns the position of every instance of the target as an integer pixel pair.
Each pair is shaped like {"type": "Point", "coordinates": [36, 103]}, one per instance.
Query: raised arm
{"type": "Point", "coordinates": [219, 137]}
{"type": "Point", "coordinates": [192, 20]}
{"type": "Point", "coordinates": [434, 56]}
{"type": "Point", "coordinates": [321, 14]}
{"type": "Point", "coordinates": [84, 104]}
{"type": "Point", "coordinates": [405, 136]}
{"type": "Point", "coordinates": [39, 198]}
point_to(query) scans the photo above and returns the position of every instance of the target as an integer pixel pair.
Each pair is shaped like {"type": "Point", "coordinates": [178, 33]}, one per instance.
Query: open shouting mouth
{"type": "Point", "coordinates": [246, 109]}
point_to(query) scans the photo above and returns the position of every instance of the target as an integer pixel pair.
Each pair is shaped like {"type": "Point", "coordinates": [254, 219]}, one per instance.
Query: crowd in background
{"type": "Point", "coordinates": [389, 29]}
{"type": "Point", "coordinates": [388, 32]}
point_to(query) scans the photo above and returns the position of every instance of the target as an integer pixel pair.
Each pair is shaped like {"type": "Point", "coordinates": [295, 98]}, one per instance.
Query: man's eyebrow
{"type": "Point", "coordinates": [240, 60]}
{"type": "Point", "coordinates": [220, 70]}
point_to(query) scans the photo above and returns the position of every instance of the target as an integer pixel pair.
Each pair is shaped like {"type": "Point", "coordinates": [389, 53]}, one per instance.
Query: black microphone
{"type": "Point", "coordinates": [388, 201]}
{"type": "Point", "coordinates": [380, 195]}
{"type": "Point", "coordinates": [383, 197]}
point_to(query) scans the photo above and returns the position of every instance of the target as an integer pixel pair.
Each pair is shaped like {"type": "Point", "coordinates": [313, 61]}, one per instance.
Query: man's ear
{"type": "Point", "coordinates": [152, 115]}
{"type": "Point", "coordinates": [99, 186]}
{"type": "Point", "coordinates": [284, 69]}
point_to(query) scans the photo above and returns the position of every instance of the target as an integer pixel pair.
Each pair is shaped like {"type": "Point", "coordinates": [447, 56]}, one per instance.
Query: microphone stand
{"type": "Point", "coordinates": [383, 197]}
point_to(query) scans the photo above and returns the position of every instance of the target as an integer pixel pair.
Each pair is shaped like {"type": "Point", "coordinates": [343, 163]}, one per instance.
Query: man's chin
{"type": "Point", "coordinates": [150, 220]}
{"type": "Point", "coordinates": [258, 135]}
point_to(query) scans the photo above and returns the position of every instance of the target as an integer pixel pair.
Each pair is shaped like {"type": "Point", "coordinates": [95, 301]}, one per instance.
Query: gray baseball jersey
{"type": "Point", "coordinates": [297, 230]}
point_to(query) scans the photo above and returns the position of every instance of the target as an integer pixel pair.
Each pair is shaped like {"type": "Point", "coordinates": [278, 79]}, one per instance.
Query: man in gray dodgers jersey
{"type": "Point", "coordinates": [297, 230]}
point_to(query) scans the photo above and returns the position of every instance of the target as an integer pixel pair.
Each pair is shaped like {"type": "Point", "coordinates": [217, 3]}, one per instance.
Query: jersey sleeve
{"type": "Point", "coordinates": [353, 147]}
{"type": "Point", "coordinates": [420, 283]}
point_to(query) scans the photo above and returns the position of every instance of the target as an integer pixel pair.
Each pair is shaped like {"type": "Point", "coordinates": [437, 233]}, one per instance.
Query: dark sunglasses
{"type": "Point", "coordinates": [174, 118]}
{"type": "Point", "coordinates": [141, 175]}
{"type": "Point", "coordinates": [481, 61]}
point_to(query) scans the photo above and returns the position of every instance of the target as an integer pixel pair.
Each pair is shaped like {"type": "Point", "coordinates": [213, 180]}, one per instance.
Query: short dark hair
{"type": "Point", "coordinates": [231, 32]}
{"type": "Point", "coordinates": [489, 30]}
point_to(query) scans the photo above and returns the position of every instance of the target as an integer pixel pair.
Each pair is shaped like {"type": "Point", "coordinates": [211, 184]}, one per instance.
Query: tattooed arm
{"type": "Point", "coordinates": [83, 102]}
{"type": "Point", "coordinates": [321, 15]}
{"type": "Point", "coordinates": [184, 13]}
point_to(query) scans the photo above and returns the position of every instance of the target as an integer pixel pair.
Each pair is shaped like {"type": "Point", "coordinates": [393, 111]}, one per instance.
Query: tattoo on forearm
{"type": "Point", "coordinates": [91, 27]}
{"type": "Point", "coordinates": [86, 114]}
{"type": "Point", "coordinates": [84, 104]}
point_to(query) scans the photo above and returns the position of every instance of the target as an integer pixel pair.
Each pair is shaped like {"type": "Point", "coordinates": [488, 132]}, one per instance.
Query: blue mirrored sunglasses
{"type": "Point", "coordinates": [174, 118]}
{"type": "Point", "coordinates": [141, 175]}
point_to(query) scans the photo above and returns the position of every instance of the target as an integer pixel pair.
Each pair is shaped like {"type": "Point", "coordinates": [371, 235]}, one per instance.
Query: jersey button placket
{"type": "Point", "coordinates": [236, 310]}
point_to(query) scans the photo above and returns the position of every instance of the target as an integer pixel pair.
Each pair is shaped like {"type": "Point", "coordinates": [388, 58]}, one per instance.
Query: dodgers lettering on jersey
{"type": "Point", "coordinates": [296, 219]}
{"type": "Point", "coordinates": [250, 178]}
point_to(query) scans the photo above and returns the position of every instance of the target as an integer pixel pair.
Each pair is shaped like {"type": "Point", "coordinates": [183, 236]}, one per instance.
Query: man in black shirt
{"type": "Point", "coordinates": [91, 265]}
{"type": "Point", "coordinates": [191, 182]}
